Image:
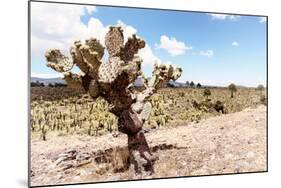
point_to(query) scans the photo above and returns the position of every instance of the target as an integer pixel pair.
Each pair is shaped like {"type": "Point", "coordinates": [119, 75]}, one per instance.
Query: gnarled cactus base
{"type": "Point", "coordinates": [140, 155]}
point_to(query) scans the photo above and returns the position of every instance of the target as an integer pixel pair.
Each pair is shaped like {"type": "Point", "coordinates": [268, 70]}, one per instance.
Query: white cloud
{"type": "Point", "coordinates": [236, 44]}
{"type": "Point", "coordinates": [44, 75]}
{"type": "Point", "coordinates": [208, 53]}
{"type": "Point", "coordinates": [147, 56]}
{"type": "Point", "coordinates": [262, 19]}
{"type": "Point", "coordinates": [58, 26]}
{"type": "Point", "coordinates": [55, 25]}
{"type": "Point", "coordinates": [173, 46]}
{"type": "Point", "coordinates": [91, 9]}
{"type": "Point", "coordinates": [224, 17]}
{"type": "Point", "coordinates": [96, 29]}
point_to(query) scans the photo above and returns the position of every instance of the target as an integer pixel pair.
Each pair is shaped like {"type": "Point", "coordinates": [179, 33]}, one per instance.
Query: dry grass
{"type": "Point", "coordinates": [59, 112]}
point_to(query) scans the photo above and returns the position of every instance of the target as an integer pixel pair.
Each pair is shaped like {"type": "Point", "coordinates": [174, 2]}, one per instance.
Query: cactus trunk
{"type": "Point", "coordinates": [140, 155]}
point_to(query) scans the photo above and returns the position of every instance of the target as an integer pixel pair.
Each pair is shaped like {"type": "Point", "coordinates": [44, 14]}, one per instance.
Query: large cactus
{"type": "Point", "coordinates": [113, 81]}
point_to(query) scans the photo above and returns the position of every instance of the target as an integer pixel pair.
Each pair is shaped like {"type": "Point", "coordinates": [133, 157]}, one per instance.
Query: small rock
{"type": "Point", "coordinates": [183, 163]}
{"type": "Point", "coordinates": [59, 160]}
{"type": "Point", "coordinates": [113, 178]}
{"type": "Point", "coordinates": [228, 156]}
{"type": "Point", "coordinates": [115, 135]}
{"type": "Point", "coordinates": [65, 166]}
{"type": "Point", "coordinates": [84, 173]}
{"type": "Point", "coordinates": [77, 178]}
{"type": "Point", "coordinates": [250, 155]}
{"type": "Point", "coordinates": [81, 163]}
{"type": "Point", "coordinates": [83, 156]}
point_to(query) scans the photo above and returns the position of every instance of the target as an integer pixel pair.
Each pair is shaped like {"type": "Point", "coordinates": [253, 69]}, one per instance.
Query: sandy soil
{"type": "Point", "coordinates": [231, 143]}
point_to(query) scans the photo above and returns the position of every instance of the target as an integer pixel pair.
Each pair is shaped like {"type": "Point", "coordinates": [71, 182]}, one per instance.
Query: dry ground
{"type": "Point", "coordinates": [229, 143]}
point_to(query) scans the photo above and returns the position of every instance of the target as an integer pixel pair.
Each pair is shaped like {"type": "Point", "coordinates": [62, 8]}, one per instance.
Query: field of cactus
{"type": "Point", "coordinates": [62, 111]}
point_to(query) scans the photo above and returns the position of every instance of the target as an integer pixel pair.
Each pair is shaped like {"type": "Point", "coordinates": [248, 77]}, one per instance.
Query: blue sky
{"type": "Point", "coordinates": [215, 49]}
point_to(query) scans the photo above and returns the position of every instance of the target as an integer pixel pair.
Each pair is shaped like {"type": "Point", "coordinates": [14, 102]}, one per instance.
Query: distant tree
{"type": "Point", "coordinates": [33, 84]}
{"type": "Point", "coordinates": [36, 84]}
{"type": "Point", "coordinates": [207, 93]}
{"type": "Point", "coordinates": [187, 83]}
{"type": "Point", "coordinates": [59, 85]}
{"type": "Point", "coordinates": [191, 84]}
{"type": "Point", "coordinates": [260, 87]}
{"type": "Point", "coordinates": [199, 85]}
{"type": "Point", "coordinates": [50, 85]}
{"type": "Point", "coordinates": [170, 85]}
{"type": "Point", "coordinates": [232, 88]}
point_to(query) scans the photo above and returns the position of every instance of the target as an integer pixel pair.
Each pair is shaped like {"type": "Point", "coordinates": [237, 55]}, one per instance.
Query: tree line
{"type": "Point", "coordinates": [40, 84]}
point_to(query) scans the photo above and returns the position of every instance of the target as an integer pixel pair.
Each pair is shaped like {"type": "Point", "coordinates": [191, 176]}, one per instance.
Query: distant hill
{"type": "Point", "coordinates": [47, 81]}
{"type": "Point", "coordinates": [138, 82]}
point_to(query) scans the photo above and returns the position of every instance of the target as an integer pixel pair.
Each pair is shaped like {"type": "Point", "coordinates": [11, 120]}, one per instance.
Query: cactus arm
{"type": "Point", "coordinates": [130, 49]}
{"type": "Point", "coordinates": [73, 80]}
{"type": "Point", "coordinates": [92, 52]}
{"type": "Point", "coordinates": [79, 81]}
{"type": "Point", "coordinates": [114, 40]}
{"type": "Point", "coordinates": [88, 56]}
{"type": "Point", "coordinates": [133, 69]}
{"type": "Point", "coordinates": [161, 75]}
{"type": "Point", "coordinates": [57, 61]}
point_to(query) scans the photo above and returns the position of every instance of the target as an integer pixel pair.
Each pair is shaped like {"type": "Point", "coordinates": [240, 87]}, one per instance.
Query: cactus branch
{"type": "Point", "coordinates": [57, 61]}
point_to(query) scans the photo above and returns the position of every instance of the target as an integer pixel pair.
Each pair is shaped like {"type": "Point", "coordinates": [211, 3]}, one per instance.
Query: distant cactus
{"type": "Point", "coordinates": [263, 99]}
{"type": "Point", "coordinates": [260, 88]}
{"type": "Point", "coordinates": [44, 132]}
{"type": "Point", "coordinates": [191, 84]}
{"type": "Point", "coordinates": [207, 93]}
{"type": "Point", "coordinates": [219, 107]}
{"type": "Point", "coordinates": [112, 81]}
{"type": "Point", "coordinates": [232, 88]}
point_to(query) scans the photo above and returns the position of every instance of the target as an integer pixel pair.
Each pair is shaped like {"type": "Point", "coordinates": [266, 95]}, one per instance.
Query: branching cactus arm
{"type": "Point", "coordinates": [114, 40]}
{"type": "Point", "coordinates": [129, 51]}
{"type": "Point", "coordinates": [161, 75]}
{"type": "Point", "coordinates": [57, 61]}
{"type": "Point", "coordinates": [87, 56]}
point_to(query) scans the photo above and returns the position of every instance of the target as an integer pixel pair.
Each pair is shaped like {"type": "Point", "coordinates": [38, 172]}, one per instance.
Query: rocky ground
{"type": "Point", "coordinates": [231, 143]}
